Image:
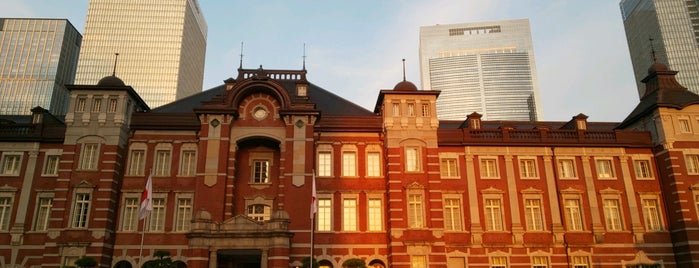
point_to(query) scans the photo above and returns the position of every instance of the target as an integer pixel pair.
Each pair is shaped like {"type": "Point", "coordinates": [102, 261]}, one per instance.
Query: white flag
{"type": "Point", "coordinates": [146, 199]}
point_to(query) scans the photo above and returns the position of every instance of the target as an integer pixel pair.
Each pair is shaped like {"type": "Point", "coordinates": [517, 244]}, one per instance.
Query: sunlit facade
{"type": "Point", "coordinates": [485, 67]}
{"type": "Point", "coordinates": [673, 27]}
{"type": "Point", "coordinates": [161, 46]}
{"type": "Point", "coordinates": [37, 58]}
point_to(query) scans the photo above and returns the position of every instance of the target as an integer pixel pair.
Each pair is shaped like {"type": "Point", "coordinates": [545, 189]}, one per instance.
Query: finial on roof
{"type": "Point", "coordinates": [241, 55]}
{"type": "Point", "coordinates": [652, 50]}
{"type": "Point", "coordinates": [403, 69]}
{"type": "Point", "coordinates": [304, 56]}
{"type": "Point", "coordinates": [116, 56]}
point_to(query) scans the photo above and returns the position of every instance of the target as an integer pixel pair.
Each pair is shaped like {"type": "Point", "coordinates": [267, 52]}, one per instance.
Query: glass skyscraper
{"type": "Point", "coordinates": [37, 58]}
{"type": "Point", "coordinates": [672, 28]}
{"type": "Point", "coordinates": [161, 46]}
{"type": "Point", "coordinates": [485, 67]}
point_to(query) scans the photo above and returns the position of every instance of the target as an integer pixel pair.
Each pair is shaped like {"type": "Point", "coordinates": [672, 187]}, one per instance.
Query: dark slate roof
{"type": "Point", "coordinates": [662, 90]}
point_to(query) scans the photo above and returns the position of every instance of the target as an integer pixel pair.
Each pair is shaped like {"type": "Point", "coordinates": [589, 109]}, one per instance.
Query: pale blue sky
{"type": "Point", "coordinates": [354, 48]}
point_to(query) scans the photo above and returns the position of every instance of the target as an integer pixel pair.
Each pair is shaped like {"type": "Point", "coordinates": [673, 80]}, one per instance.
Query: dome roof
{"type": "Point", "coordinates": [656, 67]}
{"type": "Point", "coordinates": [405, 86]}
{"type": "Point", "coordinates": [112, 81]}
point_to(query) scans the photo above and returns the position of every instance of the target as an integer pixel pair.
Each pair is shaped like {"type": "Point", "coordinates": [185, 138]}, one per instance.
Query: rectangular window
{"type": "Point", "coordinates": [684, 125]}
{"type": "Point", "coordinates": [156, 219]}
{"type": "Point", "coordinates": [540, 262]}
{"type": "Point", "coordinates": [533, 216]}
{"type": "Point", "coordinates": [493, 214]}
{"type": "Point", "coordinates": [692, 161]}
{"type": "Point", "coordinates": [415, 211]}
{"type": "Point", "coordinates": [448, 168]}
{"type": "Point", "coordinates": [43, 212]}
{"type": "Point", "coordinates": [605, 169]}
{"type": "Point", "coordinates": [651, 213]}
{"type": "Point", "coordinates": [188, 163]}
{"type": "Point", "coordinates": [259, 212]}
{"type": "Point", "coordinates": [5, 213]}
{"type": "Point", "coordinates": [51, 165]}
{"type": "Point", "coordinates": [129, 218]}
{"type": "Point", "coordinates": [412, 159]}
{"type": "Point", "coordinates": [643, 169]}
{"type": "Point", "coordinates": [418, 261]}
{"type": "Point", "coordinates": [112, 105]}
{"type": "Point", "coordinates": [373, 164]}
{"type": "Point", "coordinates": [324, 164]}
{"type": "Point", "coordinates": [137, 162]}
{"type": "Point", "coordinates": [81, 209]}
{"type": "Point", "coordinates": [489, 168]}
{"type": "Point", "coordinates": [89, 155]}
{"type": "Point", "coordinates": [10, 164]}
{"type": "Point", "coordinates": [581, 262]}
{"type": "Point", "coordinates": [573, 215]}
{"type": "Point", "coordinates": [411, 109]}
{"type": "Point", "coordinates": [566, 168]}
{"type": "Point", "coordinates": [396, 109]}
{"type": "Point", "coordinates": [612, 215]}
{"type": "Point", "coordinates": [349, 214]}
{"type": "Point", "coordinates": [425, 109]}
{"type": "Point", "coordinates": [349, 164]}
{"type": "Point", "coordinates": [184, 214]}
{"type": "Point", "coordinates": [96, 105]}
{"type": "Point", "coordinates": [324, 215]}
{"type": "Point", "coordinates": [498, 262]}
{"type": "Point", "coordinates": [527, 168]}
{"type": "Point", "coordinates": [80, 104]}
{"type": "Point", "coordinates": [260, 171]}
{"type": "Point", "coordinates": [375, 214]}
{"type": "Point", "coordinates": [162, 163]}
{"type": "Point", "coordinates": [452, 214]}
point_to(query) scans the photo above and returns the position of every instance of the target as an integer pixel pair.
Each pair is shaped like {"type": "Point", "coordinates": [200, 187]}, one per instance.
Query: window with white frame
{"type": "Point", "coordinates": [5, 212]}
{"type": "Point", "coordinates": [349, 164]}
{"type": "Point", "coordinates": [566, 168]}
{"type": "Point", "coordinates": [605, 168]}
{"type": "Point", "coordinates": [540, 262]}
{"type": "Point", "coordinates": [489, 168]}
{"type": "Point", "coordinates": [129, 215]}
{"type": "Point", "coordinates": [418, 261]}
{"type": "Point", "coordinates": [81, 210]}
{"type": "Point", "coordinates": [10, 164]}
{"type": "Point", "coordinates": [415, 210]}
{"type": "Point", "coordinates": [80, 104]}
{"type": "Point", "coordinates": [527, 168]}
{"type": "Point", "coordinates": [685, 126]}
{"type": "Point", "coordinates": [692, 161]}
{"type": "Point", "coordinates": [183, 214]}
{"type": "Point", "coordinates": [498, 262]}
{"type": "Point", "coordinates": [493, 214]}
{"type": "Point", "coordinates": [373, 164]}
{"type": "Point", "coordinates": [51, 165]}
{"type": "Point", "coordinates": [643, 169]}
{"type": "Point", "coordinates": [349, 214]}
{"type": "Point", "coordinates": [396, 109]}
{"type": "Point", "coordinates": [324, 215]}
{"type": "Point", "coordinates": [412, 159]}
{"type": "Point", "coordinates": [156, 219]}
{"type": "Point", "coordinates": [651, 214]}
{"type": "Point", "coordinates": [260, 172]}
{"type": "Point", "coordinates": [162, 162]}
{"type": "Point", "coordinates": [581, 262]}
{"type": "Point", "coordinates": [137, 162]}
{"type": "Point", "coordinates": [533, 214]}
{"type": "Point", "coordinates": [573, 214]}
{"type": "Point", "coordinates": [112, 105]}
{"type": "Point", "coordinates": [425, 110]}
{"type": "Point", "coordinates": [411, 109]}
{"type": "Point", "coordinates": [612, 215]}
{"type": "Point", "coordinates": [188, 163]}
{"type": "Point", "coordinates": [452, 214]}
{"type": "Point", "coordinates": [375, 214]}
{"type": "Point", "coordinates": [259, 212]}
{"type": "Point", "coordinates": [43, 213]}
{"type": "Point", "coordinates": [89, 156]}
{"type": "Point", "coordinates": [448, 167]}
{"type": "Point", "coordinates": [96, 105]}
{"type": "Point", "coordinates": [324, 164]}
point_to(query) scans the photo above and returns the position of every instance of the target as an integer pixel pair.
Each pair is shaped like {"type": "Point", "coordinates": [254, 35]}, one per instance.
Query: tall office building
{"type": "Point", "coordinates": [37, 58]}
{"type": "Point", "coordinates": [673, 26]}
{"type": "Point", "coordinates": [485, 67]}
{"type": "Point", "coordinates": [161, 46]}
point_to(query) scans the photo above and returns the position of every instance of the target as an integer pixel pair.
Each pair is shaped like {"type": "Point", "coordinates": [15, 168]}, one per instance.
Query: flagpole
{"type": "Point", "coordinates": [140, 251]}
{"type": "Point", "coordinates": [314, 208]}
{"type": "Point", "coordinates": [144, 211]}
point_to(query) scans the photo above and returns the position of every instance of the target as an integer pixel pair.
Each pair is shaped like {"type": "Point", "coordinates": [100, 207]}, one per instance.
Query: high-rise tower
{"type": "Point", "coordinates": [161, 46]}
{"type": "Point", "coordinates": [485, 67]}
{"type": "Point", "coordinates": [671, 27]}
{"type": "Point", "coordinates": [37, 58]}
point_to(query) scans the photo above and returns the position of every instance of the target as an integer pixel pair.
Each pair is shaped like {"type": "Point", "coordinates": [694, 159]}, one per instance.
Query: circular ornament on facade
{"type": "Point", "coordinates": [259, 112]}
{"type": "Point", "coordinates": [215, 122]}
{"type": "Point", "coordinates": [300, 123]}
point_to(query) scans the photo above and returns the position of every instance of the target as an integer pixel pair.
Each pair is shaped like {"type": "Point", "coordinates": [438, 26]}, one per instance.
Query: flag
{"type": "Point", "coordinates": [146, 199]}
{"type": "Point", "coordinates": [314, 197]}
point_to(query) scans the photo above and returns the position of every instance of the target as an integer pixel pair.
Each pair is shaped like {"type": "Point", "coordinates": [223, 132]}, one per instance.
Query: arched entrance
{"type": "Point", "coordinates": [239, 258]}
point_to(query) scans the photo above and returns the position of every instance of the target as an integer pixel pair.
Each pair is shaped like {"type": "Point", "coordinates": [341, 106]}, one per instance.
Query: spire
{"type": "Point", "coordinates": [403, 69]}
{"type": "Point", "coordinates": [116, 57]}
{"type": "Point", "coordinates": [652, 50]}
{"type": "Point", "coordinates": [241, 55]}
{"type": "Point", "coordinates": [304, 56]}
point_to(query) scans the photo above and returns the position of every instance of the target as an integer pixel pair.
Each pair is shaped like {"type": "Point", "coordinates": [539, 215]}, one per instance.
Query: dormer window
{"type": "Point", "coordinates": [301, 90]}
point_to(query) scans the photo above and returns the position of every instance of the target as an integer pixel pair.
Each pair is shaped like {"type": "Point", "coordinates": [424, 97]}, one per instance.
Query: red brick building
{"type": "Point", "coordinates": [233, 168]}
